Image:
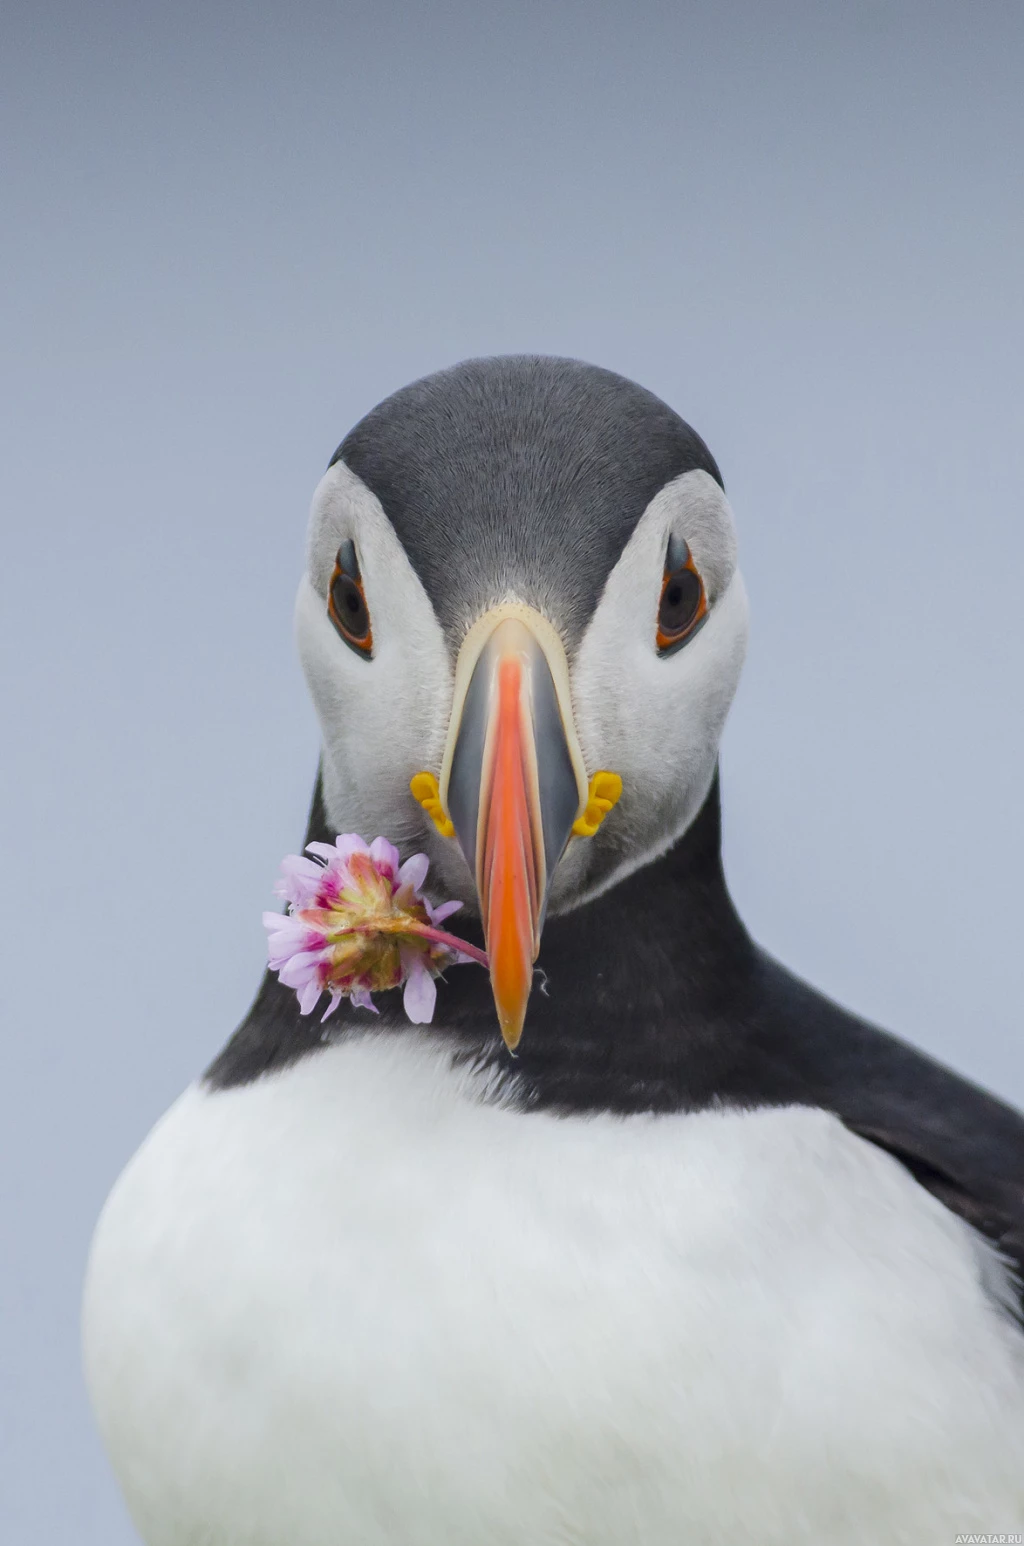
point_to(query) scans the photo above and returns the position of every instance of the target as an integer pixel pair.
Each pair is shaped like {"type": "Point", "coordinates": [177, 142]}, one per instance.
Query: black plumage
{"type": "Point", "coordinates": [655, 998]}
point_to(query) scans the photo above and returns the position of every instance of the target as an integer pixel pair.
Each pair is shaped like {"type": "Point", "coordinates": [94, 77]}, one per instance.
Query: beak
{"type": "Point", "coordinates": [513, 783]}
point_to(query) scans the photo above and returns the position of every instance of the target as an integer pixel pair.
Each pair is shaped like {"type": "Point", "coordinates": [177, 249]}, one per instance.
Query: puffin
{"type": "Point", "coordinates": [641, 1241]}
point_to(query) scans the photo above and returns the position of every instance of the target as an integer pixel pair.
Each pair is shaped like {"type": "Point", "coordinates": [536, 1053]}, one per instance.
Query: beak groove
{"type": "Point", "coordinates": [510, 872]}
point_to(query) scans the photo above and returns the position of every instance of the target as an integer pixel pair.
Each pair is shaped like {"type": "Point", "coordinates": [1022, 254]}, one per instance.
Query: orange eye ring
{"type": "Point", "coordinates": [683, 604]}
{"type": "Point", "coordinates": [346, 602]}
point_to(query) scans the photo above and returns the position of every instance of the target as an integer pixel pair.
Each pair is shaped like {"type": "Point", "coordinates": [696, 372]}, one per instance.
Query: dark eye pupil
{"type": "Point", "coordinates": [680, 602]}
{"type": "Point", "coordinates": [350, 607]}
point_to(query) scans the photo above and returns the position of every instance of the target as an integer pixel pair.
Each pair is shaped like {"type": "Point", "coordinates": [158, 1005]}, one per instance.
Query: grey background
{"type": "Point", "coordinates": [226, 233]}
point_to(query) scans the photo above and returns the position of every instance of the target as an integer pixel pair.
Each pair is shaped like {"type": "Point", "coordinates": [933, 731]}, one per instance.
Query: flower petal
{"type": "Point", "coordinates": [414, 871]}
{"type": "Point", "coordinates": [332, 1006]}
{"type": "Point", "coordinates": [292, 926]}
{"type": "Point", "coordinates": [385, 856]}
{"type": "Point", "coordinates": [362, 1000]}
{"type": "Point", "coordinates": [308, 997]}
{"type": "Point", "coordinates": [299, 880]}
{"type": "Point", "coordinates": [445, 910]}
{"type": "Point", "coordinates": [420, 994]}
{"type": "Point", "coordinates": [298, 970]}
{"type": "Point", "coordinates": [290, 937]}
{"type": "Point", "coordinates": [348, 843]}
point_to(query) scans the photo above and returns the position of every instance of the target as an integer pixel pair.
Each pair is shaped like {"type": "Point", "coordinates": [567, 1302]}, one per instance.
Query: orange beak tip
{"type": "Point", "coordinates": [511, 991]}
{"type": "Point", "coordinates": [512, 1031]}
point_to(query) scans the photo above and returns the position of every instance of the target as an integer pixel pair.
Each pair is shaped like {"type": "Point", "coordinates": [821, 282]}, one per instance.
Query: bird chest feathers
{"type": "Point", "coordinates": [359, 1302]}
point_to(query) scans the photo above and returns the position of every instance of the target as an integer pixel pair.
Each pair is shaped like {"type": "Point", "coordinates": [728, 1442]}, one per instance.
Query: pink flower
{"type": "Point", "coordinates": [358, 923]}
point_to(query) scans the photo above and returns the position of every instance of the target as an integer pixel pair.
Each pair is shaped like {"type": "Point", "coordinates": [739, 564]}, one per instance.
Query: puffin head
{"type": "Point", "coordinates": [522, 625]}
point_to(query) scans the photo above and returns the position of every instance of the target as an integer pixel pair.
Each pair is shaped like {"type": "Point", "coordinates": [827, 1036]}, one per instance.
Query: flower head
{"type": "Point", "coordinates": [358, 923]}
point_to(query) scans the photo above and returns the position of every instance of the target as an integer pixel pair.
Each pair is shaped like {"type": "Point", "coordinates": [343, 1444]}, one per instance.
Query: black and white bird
{"type": "Point", "coordinates": [706, 1258]}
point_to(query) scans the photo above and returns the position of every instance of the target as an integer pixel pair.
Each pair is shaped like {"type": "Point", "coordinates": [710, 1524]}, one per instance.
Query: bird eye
{"type": "Point", "coordinates": [346, 603]}
{"type": "Point", "coordinates": [684, 603]}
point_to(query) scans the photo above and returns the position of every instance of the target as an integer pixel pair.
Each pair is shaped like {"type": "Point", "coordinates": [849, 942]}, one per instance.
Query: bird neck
{"type": "Point", "coordinates": [635, 1003]}
{"type": "Point", "coordinates": [635, 990]}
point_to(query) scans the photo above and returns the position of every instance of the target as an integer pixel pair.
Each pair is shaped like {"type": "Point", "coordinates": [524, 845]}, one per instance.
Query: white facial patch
{"type": "Point", "coordinates": [655, 720]}
{"type": "Point", "coordinates": [384, 718]}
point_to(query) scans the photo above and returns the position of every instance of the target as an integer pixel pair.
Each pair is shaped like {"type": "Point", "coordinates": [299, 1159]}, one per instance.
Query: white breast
{"type": "Point", "coordinates": [353, 1304]}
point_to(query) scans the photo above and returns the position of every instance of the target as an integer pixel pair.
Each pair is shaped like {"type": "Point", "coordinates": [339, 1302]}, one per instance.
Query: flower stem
{"type": "Point", "coordinates": [424, 930]}
{"type": "Point", "coordinates": [453, 942]}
